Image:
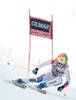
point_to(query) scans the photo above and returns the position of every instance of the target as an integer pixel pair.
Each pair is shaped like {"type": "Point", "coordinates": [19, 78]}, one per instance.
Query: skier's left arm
{"type": "Point", "coordinates": [67, 75]}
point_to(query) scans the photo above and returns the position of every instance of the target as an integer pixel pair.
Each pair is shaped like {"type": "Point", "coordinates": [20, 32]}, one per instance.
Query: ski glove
{"type": "Point", "coordinates": [35, 71]}
{"type": "Point", "coordinates": [60, 88]}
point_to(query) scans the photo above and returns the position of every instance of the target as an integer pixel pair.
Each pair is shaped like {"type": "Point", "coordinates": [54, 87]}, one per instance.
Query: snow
{"type": "Point", "coordinates": [14, 44]}
{"type": "Point", "coordinates": [11, 92]}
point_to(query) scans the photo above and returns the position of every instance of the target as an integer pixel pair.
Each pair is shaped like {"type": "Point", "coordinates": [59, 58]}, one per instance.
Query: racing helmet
{"type": "Point", "coordinates": [62, 58]}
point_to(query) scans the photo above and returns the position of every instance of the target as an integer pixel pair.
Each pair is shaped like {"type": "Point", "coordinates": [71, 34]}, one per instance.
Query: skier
{"type": "Point", "coordinates": [52, 77]}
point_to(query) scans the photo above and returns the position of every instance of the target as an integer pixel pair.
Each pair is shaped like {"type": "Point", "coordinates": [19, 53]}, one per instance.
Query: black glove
{"type": "Point", "coordinates": [35, 71]}
{"type": "Point", "coordinates": [60, 88]}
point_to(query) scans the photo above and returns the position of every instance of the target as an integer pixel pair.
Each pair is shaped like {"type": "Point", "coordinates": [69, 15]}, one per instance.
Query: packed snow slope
{"type": "Point", "coordinates": [11, 92]}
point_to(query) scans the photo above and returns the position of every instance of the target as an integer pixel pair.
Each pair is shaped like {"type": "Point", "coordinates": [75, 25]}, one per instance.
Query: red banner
{"type": "Point", "coordinates": [40, 27]}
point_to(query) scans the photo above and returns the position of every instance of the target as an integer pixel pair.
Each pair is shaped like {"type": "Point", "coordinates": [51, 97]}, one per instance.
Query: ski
{"type": "Point", "coordinates": [23, 86]}
{"type": "Point", "coordinates": [15, 83]}
{"type": "Point", "coordinates": [37, 89]}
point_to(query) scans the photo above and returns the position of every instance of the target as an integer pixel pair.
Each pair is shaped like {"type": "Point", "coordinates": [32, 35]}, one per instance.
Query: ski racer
{"type": "Point", "coordinates": [53, 77]}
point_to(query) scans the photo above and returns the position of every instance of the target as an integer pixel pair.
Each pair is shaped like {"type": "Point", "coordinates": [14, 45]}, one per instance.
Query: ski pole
{"type": "Point", "coordinates": [18, 66]}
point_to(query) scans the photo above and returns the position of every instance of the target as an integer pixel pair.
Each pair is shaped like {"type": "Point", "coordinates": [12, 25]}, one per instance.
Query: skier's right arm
{"type": "Point", "coordinates": [35, 71]}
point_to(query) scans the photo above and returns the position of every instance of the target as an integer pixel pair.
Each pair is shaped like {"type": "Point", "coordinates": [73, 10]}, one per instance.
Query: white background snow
{"type": "Point", "coordinates": [14, 44]}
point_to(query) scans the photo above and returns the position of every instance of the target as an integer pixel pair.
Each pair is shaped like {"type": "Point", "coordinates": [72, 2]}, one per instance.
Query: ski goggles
{"type": "Point", "coordinates": [60, 64]}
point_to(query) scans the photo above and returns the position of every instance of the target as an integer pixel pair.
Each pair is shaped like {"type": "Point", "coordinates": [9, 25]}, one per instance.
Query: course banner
{"type": "Point", "coordinates": [40, 27]}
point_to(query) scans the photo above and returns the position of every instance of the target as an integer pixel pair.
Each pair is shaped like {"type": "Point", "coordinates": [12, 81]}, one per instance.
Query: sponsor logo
{"type": "Point", "coordinates": [52, 82]}
{"type": "Point", "coordinates": [40, 25]}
